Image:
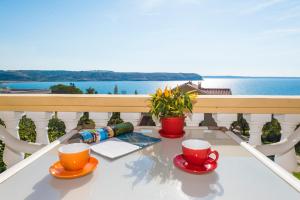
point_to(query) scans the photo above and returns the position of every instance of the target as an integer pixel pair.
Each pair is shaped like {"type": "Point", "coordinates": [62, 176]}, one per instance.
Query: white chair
{"type": "Point", "coordinates": [282, 147]}
{"type": "Point", "coordinates": [17, 146]}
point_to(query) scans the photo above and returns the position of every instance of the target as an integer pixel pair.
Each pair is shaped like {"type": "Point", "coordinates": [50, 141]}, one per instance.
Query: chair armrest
{"type": "Point", "coordinates": [18, 145]}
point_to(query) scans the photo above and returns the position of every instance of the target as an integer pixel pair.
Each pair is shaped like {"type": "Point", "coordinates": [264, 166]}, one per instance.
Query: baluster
{"type": "Point", "coordinates": [41, 120]}
{"type": "Point", "coordinates": [70, 119]}
{"type": "Point", "coordinates": [194, 119]}
{"type": "Point", "coordinates": [11, 120]}
{"type": "Point", "coordinates": [224, 120]}
{"type": "Point", "coordinates": [288, 124]}
{"type": "Point", "coordinates": [256, 123]}
{"type": "Point", "coordinates": [100, 118]}
{"type": "Point", "coordinates": [134, 118]}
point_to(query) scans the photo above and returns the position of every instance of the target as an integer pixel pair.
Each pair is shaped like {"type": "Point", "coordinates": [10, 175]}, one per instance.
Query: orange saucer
{"type": "Point", "coordinates": [58, 171]}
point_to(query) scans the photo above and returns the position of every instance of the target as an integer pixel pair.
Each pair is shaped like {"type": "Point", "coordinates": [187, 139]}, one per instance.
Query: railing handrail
{"type": "Point", "coordinates": [139, 103]}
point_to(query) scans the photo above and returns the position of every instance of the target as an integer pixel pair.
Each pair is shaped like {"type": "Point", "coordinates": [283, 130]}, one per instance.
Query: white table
{"type": "Point", "coordinates": [150, 174]}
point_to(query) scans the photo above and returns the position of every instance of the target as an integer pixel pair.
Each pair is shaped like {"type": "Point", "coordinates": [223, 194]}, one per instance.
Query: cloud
{"type": "Point", "coordinates": [292, 12]}
{"type": "Point", "coordinates": [197, 2]}
{"type": "Point", "coordinates": [151, 6]}
{"type": "Point", "coordinates": [261, 6]}
{"type": "Point", "coordinates": [284, 31]}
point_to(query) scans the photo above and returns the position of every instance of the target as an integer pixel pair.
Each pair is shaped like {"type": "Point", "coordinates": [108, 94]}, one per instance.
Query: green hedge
{"type": "Point", "coordinates": [56, 129]}
{"type": "Point", "coordinates": [297, 147]}
{"type": "Point", "coordinates": [2, 145]}
{"type": "Point", "coordinates": [27, 129]}
{"type": "Point", "coordinates": [240, 127]}
{"type": "Point", "coordinates": [2, 164]}
{"type": "Point", "coordinates": [271, 132]}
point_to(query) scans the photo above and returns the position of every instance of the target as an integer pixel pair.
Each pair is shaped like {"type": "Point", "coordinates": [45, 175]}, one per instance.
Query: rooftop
{"type": "Point", "coordinates": [190, 86]}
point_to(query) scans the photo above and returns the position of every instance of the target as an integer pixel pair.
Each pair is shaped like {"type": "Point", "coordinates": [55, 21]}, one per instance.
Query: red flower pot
{"type": "Point", "coordinates": [172, 127]}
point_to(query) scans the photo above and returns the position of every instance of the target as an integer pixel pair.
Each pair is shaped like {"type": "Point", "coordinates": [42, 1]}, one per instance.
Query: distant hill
{"type": "Point", "coordinates": [99, 75]}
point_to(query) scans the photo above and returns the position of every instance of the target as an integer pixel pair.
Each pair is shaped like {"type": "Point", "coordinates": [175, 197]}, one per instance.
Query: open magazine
{"type": "Point", "coordinates": [123, 144]}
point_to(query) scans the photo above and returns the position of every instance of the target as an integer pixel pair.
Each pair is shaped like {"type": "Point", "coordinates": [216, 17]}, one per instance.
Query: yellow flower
{"type": "Point", "coordinates": [193, 96]}
{"type": "Point", "coordinates": [158, 92]}
{"type": "Point", "coordinates": [166, 92]}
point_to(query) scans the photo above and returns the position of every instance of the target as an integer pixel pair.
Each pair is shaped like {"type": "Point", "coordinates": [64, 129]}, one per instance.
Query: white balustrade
{"type": "Point", "coordinates": [11, 120]}
{"type": "Point", "coordinates": [194, 119]}
{"type": "Point", "coordinates": [134, 118]}
{"type": "Point", "coordinates": [288, 124]}
{"type": "Point", "coordinates": [256, 123]}
{"type": "Point", "coordinates": [70, 119]}
{"type": "Point", "coordinates": [224, 120]}
{"type": "Point", "coordinates": [156, 121]}
{"type": "Point", "coordinates": [41, 120]}
{"type": "Point", "coordinates": [100, 118]}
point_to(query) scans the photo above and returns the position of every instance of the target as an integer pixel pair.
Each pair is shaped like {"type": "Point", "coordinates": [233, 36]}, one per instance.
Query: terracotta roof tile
{"type": "Point", "coordinates": [205, 91]}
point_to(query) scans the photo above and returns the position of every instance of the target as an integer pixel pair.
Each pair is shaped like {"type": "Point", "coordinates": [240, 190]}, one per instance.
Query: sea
{"type": "Point", "coordinates": [238, 85]}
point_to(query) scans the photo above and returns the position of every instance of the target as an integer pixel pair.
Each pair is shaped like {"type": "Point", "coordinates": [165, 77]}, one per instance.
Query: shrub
{"type": "Point", "coordinates": [56, 129]}
{"type": "Point", "coordinates": [297, 146]}
{"type": "Point", "coordinates": [271, 132]}
{"type": "Point", "coordinates": [86, 122]}
{"type": "Point", "coordinates": [27, 129]}
{"type": "Point", "coordinates": [2, 145]}
{"type": "Point", "coordinates": [115, 119]}
{"type": "Point", "coordinates": [241, 126]}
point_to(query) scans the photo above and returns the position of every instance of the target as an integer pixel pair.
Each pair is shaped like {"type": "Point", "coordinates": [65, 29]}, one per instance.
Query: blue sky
{"type": "Point", "coordinates": [209, 37]}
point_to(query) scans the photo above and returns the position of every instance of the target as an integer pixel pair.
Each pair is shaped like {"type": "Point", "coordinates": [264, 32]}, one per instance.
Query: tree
{"type": "Point", "coordinates": [65, 89]}
{"type": "Point", "coordinates": [116, 89]}
{"type": "Point", "coordinates": [91, 90]}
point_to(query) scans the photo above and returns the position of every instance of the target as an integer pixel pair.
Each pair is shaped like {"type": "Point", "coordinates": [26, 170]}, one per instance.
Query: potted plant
{"type": "Point", "coordinates": [170, 107]}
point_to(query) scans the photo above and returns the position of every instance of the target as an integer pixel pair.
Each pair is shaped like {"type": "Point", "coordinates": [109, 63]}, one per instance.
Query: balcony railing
{"type": "Point", "coordinates": [257, 110]}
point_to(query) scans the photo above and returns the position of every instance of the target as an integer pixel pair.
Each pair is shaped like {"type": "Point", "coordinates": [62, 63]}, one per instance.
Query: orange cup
{"type": "Point", "coordinates": [75, 156]}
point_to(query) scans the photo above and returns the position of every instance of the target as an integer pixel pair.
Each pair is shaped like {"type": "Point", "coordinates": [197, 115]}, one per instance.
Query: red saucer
{"type": "Point", "coordinates": [163, 134]}
{"type": "Point", "coordinates": [182, 164]}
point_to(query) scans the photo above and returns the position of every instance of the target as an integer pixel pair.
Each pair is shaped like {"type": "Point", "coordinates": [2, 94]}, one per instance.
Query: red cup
{"type": "Point", "coordinates": [198, 152]}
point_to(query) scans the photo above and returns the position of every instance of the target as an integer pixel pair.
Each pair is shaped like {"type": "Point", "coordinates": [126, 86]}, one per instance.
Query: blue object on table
{"type": "Point", "coordinates": [94, 135]}
{"type": "Point", "coordinates": [138, 139]}
{"type": "Point", "coordinates": [86, 136]}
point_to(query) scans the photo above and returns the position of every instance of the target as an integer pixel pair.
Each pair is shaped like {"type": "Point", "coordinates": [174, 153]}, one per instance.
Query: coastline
{"type": "Point", "coordinates": [203, 79]}
{"type": "Point", "coordinates": [239, 86]}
